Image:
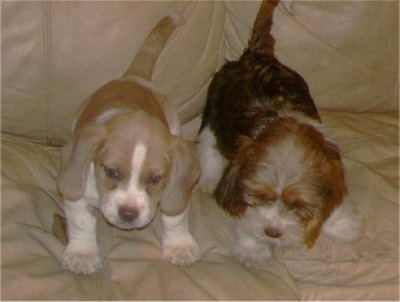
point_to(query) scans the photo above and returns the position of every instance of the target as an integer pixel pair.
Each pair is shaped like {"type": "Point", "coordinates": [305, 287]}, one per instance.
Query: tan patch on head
{"type": "Point", "coordinates": [120, 96]}
{"type": "Point", "coordinates": [125, 133]}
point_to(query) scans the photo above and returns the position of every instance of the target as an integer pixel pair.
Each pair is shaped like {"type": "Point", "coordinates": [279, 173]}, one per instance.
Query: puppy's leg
{"type": "Point", "coordinates": [212, 163]}
{"type": "Point", "coordinates": [345, 224]}
{"type": "Point", "coordinates": [179, 246]}
{"type": "Point", "coordinates": [249, 251]}
{"type": "Point", "coordinates": [82, 252]}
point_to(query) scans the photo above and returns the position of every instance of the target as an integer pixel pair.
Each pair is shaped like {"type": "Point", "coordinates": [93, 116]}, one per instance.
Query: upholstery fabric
{"type": "Point", "coordinates": [56, 53]}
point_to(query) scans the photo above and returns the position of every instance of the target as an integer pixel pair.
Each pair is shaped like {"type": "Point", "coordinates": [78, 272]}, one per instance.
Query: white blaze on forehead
{"type": "Point", "coordinates": [139, 154]}
{"type": "Point", "coordinates": [134, 195]}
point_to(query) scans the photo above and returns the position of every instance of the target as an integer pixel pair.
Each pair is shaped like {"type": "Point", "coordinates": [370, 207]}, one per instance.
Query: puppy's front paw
{"type": "Point", "coordinates": [344, 230]}
{"type": "Point", "coordinates": [207, 187]}
{"type": "Point", "coordinates": [252, 255]}
{"type": "Point", "coordinates": [344, 225]}
{"type": "Point", "coordinates": [182, 253]}
{"type": "Point", "coordinates": [83, 260]}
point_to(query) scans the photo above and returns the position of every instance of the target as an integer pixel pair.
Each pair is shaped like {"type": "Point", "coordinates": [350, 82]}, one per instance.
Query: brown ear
{"type": "Point", "coordinates": [75, 159]}
{"type": "Point", "coordinates": [229, 193]}
{"type": "Point", "coordinates": [307, 201]}
{"type": "Point", "coordinates": [331, 192]}
{"type": "Point", "coordinates": [184, 175]}
{"type": "Point", "coordinates": [312, 230]}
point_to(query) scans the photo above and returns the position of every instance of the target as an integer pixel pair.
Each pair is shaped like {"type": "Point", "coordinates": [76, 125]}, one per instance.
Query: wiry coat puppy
{"type": "Point", "coordinates": [267, 157]}
{"type": "Point", "coordinates": [126, 157]}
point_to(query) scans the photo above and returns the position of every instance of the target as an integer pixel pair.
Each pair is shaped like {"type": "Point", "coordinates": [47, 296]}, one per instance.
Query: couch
{"type": "Point", "coordinates": [54, 54]}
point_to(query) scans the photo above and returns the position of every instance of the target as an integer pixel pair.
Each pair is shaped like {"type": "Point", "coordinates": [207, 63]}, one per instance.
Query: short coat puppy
{"type": "Point", "coordinates": [126, 157]}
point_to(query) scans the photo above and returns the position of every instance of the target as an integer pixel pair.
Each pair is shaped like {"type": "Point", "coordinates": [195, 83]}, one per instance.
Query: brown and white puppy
{"type": "Point", "coordinates": [126, 157]}
{"type": "Point", "coordinates": [267, 157]}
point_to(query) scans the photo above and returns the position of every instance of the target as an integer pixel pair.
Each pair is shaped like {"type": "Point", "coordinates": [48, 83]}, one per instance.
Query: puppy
{"type": "Point", "coordinates": [266, 156]}
{"type": "Point", "coordinates": [126, 157]}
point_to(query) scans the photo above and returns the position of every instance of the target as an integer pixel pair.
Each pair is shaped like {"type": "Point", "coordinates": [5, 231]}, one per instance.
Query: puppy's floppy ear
{"type": "Point", "coordinates": [75, 159]}
{"type": "Point", "coordinates": [307, 201]}
{"type": "Point", "coordinates": [184, 175]}
{"type": "Point", "coordinates": [229, 193]}
{"type": "Point", "coordinates": [312, 230]}
{"type": "Point", "coordinates": [322, 195]}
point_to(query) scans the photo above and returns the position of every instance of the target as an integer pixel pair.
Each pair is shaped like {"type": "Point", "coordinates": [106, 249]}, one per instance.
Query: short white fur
{"type": "Point", "coordinates": [82, 252]}
{"type": "Point", "coordinates": [134, 195]}
{"type": "Point", "coordinates": [179, 246]}
{"type": "Point", "coordinates": [212, 163]}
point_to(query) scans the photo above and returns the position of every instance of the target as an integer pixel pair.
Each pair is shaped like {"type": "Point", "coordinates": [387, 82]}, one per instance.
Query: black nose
{"type": "Point", "coordinates": [128, 213]}
{"type": "Point", "coordinates": [272, 232]}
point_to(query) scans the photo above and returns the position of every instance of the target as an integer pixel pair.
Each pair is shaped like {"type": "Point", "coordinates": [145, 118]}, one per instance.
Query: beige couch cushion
{"type": "Point", "coordinates": [54, 54]}
{"type": "Point", "coordinates": [63, 51]}
{"type": "Point", "coordinates": [60, 52]}
{"type": "Point", "coordinates": [346, 50]}
{"type": "Point", "coordinates": [367, 269]}
{"type": "Point", "coordinates": [133, 269]}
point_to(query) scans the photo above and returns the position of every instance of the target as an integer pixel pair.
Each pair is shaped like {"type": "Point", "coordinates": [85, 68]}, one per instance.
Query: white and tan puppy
{"type": "Point", "coordinates": [126, 158]}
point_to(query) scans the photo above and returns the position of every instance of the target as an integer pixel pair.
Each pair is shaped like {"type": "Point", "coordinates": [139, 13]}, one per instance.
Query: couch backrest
{"type": "Point", "coordinates": [55, 54]}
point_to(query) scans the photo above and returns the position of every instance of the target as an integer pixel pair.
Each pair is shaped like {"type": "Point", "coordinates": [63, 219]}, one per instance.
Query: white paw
{"type": "Point", "coordinates": [207, 187]}
{"type": "Point", "coordinates": [182, 253]}
{"type": "Point", "coordinates": [84, 260]}
{"type": "Point", "coordinates": [252, 256]}
{"type": "Point", "coordinates": [344, 225]}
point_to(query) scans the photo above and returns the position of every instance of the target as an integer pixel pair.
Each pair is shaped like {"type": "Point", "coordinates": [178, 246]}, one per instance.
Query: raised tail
{"type": "Point", "coordinates": [144, 61]}
{"type": "Point", "coordinates": [261, 40]}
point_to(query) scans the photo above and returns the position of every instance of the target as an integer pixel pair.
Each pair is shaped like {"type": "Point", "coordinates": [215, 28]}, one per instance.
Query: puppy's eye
{"type": "Point", "coordinates": [262, 198]}
{"type": "Point", "coordinates": [155, 179]}
{"type": "Point", "coordinates": [304, 211]}
{"type": "Point", "coordinates": [112, 173]}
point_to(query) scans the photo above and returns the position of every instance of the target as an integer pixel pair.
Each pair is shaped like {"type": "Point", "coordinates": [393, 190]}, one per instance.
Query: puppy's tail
{"type": "Point", "coordinates": [261, 40]}
{"type": "Point", "coordinates": [144, 61]}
